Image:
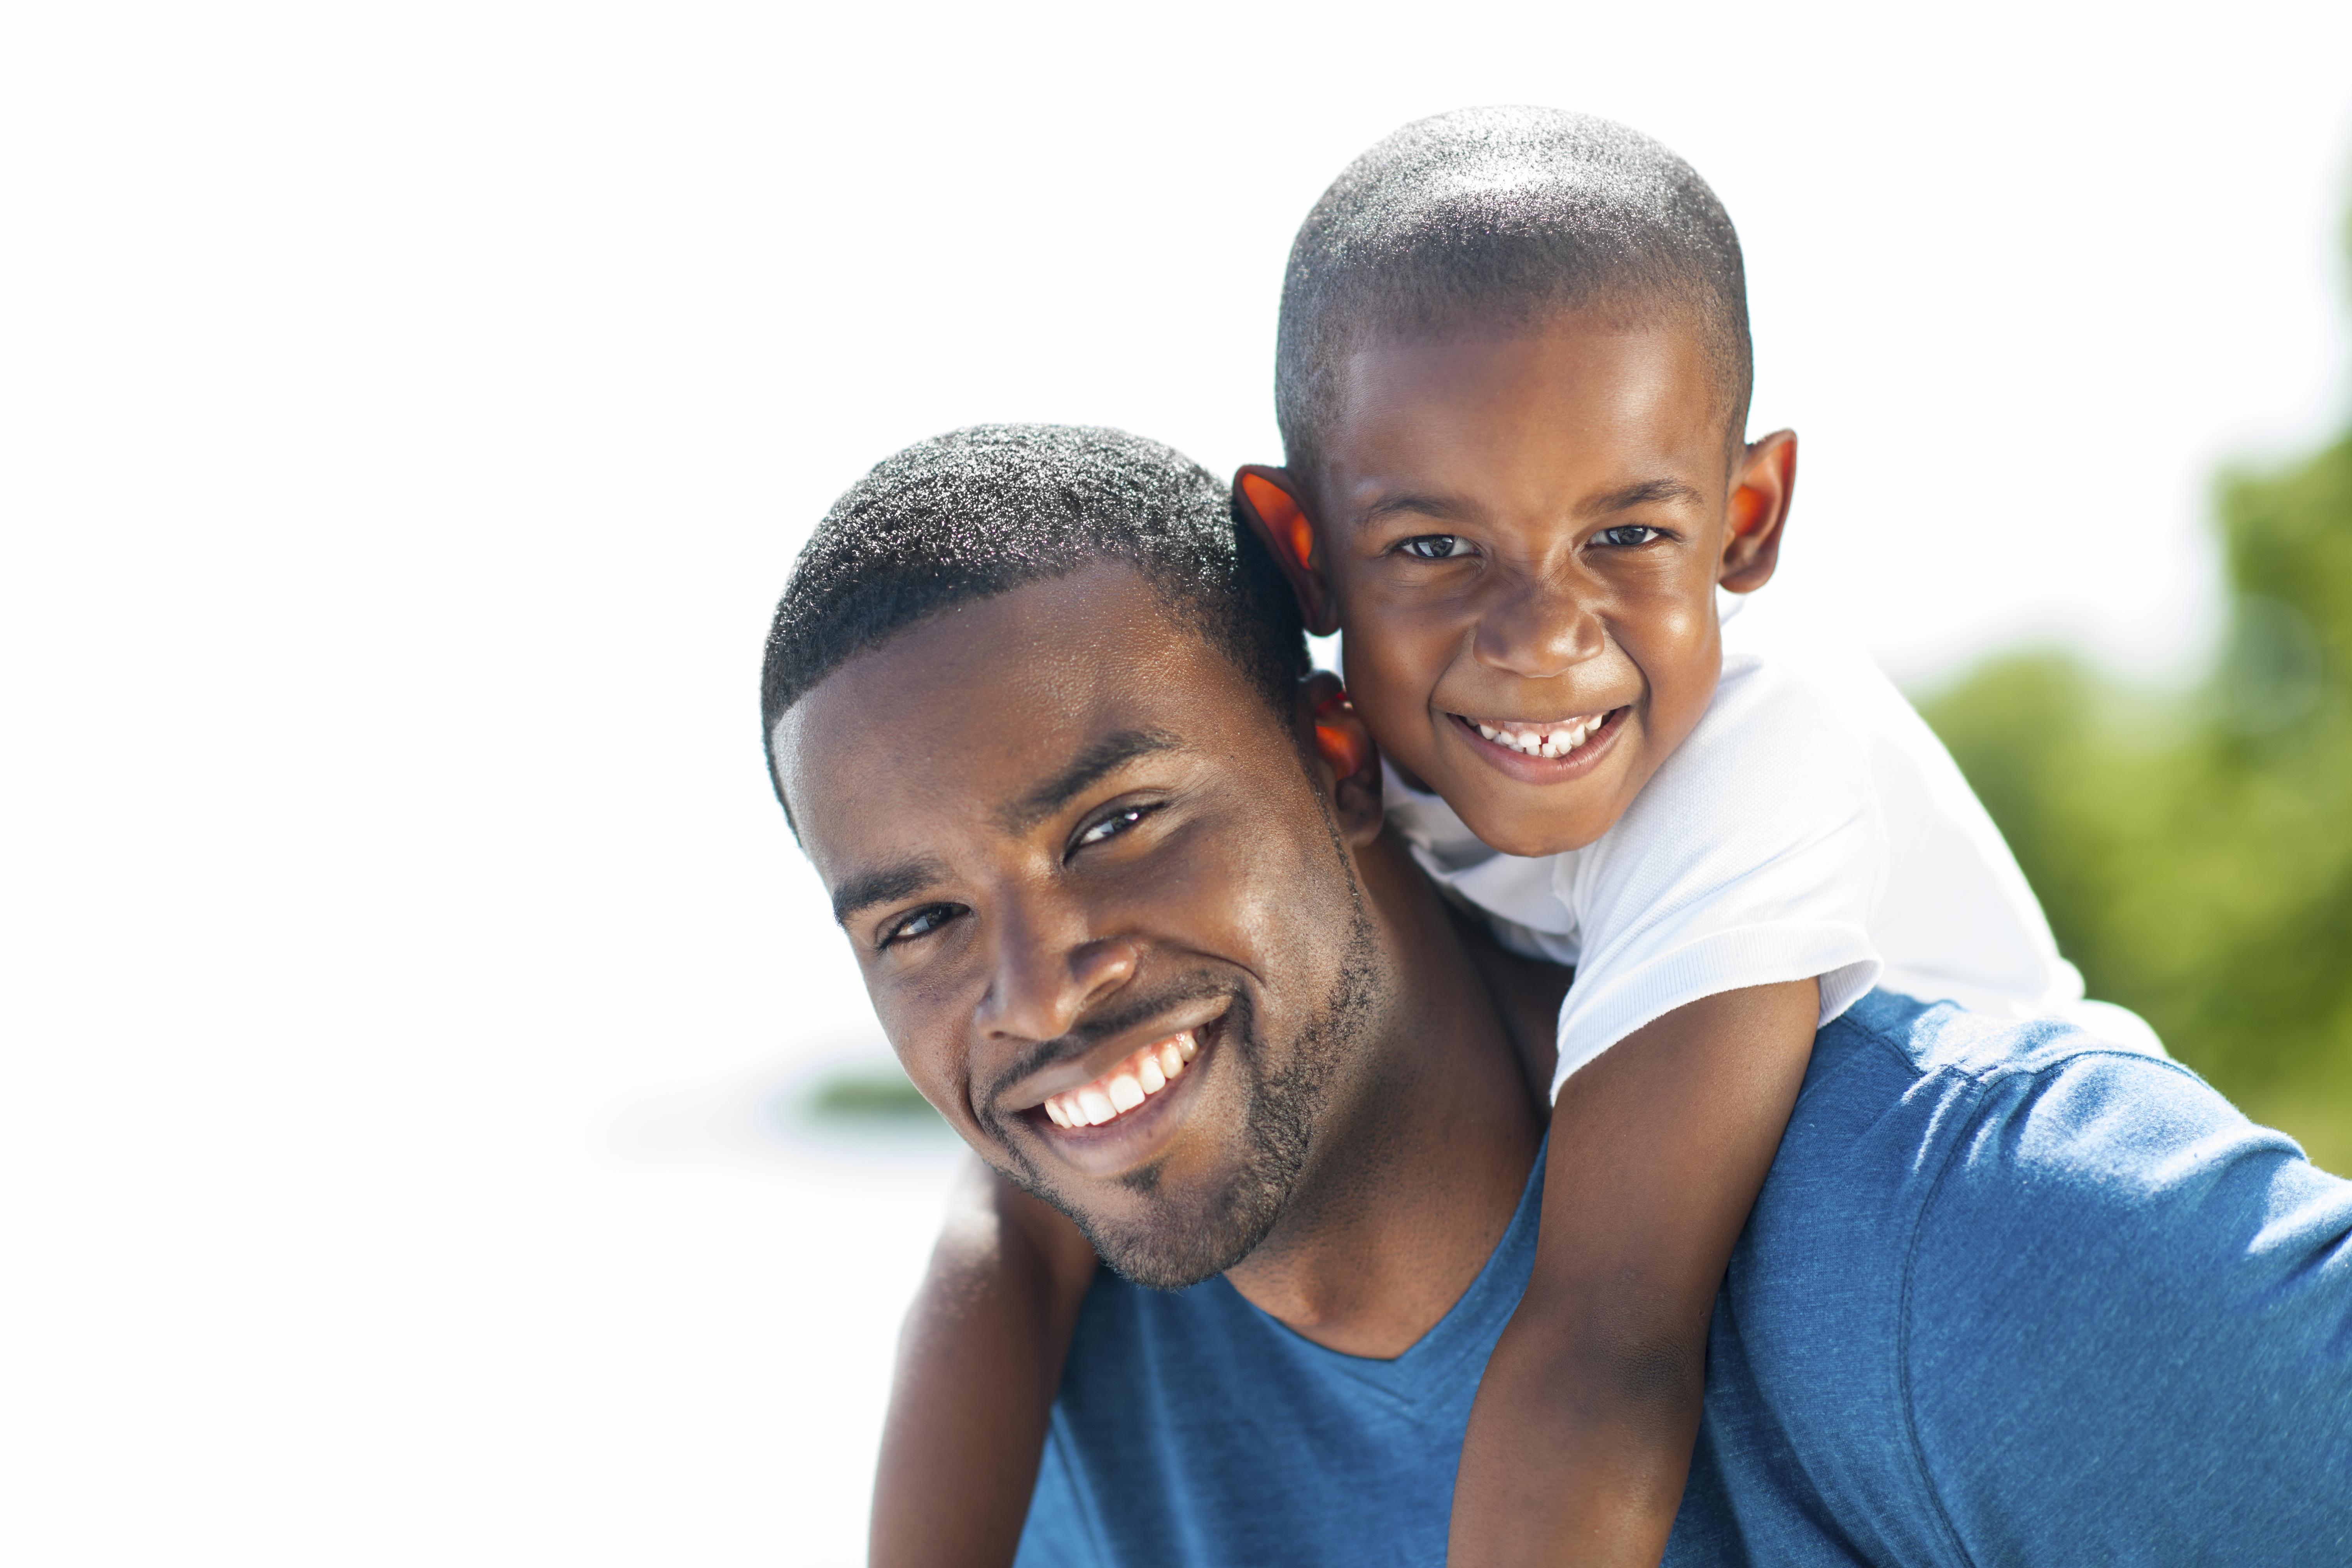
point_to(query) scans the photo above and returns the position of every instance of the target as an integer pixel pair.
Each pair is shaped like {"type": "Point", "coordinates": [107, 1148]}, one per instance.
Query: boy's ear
{"type": "Point", "coordinates": [1350, 763]}
{"type": "Point", "coordinates": [1268, 499]}
{"type": "Point", "coordinates": [1760, 491]}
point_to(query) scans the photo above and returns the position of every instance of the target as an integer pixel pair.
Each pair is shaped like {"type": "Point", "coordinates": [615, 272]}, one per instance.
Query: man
{"type": "Point", "coordinates": [2008, 1295]}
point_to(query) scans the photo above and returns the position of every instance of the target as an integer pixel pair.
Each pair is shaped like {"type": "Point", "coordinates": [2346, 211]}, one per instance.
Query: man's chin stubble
{"type": "Point", "coordinates": [1171, 1250]}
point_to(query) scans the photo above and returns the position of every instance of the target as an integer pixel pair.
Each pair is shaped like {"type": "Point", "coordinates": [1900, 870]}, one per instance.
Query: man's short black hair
{"type": "Point", "coordinates": [1504, 216]}
{"type": "Point", "coordinates": [982, 511]}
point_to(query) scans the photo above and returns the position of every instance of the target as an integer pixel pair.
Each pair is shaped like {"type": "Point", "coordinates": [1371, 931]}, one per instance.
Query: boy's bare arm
{"type": "Point", "coordinates": [979, 1361]}
{"type": "Point", "coordinates": [1580, 1438]}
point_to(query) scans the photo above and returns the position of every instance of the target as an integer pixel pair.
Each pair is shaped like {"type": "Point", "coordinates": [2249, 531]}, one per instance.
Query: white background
{"type": "Point", "coordinates": [407, 417]}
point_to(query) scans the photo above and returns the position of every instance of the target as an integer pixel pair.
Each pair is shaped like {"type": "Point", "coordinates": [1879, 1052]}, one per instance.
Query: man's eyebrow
{"type": "Point", "coordinates": [1642, 494]}
{"type": "Point", "coordinates": [867, 888]}
{"type": "Point", "coordinates": [1098, 760]}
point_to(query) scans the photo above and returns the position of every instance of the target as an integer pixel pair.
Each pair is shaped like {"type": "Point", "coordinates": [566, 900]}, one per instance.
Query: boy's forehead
{"type": "Point", "coordinates": [963, 715]}
{"type": "Point", "coordinates": [1595, 386]}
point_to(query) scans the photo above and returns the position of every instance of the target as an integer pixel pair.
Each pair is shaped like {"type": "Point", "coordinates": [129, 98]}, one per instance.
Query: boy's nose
{"type": "Point", "coordinates": [1536, 630]}
{"type": "Point", "coordinates": [1049, 971]}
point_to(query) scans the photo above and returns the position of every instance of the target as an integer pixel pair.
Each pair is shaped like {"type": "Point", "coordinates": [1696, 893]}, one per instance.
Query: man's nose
{"type": "Point", "coordinates": [1537, 628]}
{"type": "Point", "coordinates": [1049, 968]}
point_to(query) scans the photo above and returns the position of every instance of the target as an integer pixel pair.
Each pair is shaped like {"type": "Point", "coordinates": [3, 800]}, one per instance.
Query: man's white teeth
{"type": "Point", "coordinates": [1142, 1075]}
{"type": "Point", "coordinates": [1551, 742]}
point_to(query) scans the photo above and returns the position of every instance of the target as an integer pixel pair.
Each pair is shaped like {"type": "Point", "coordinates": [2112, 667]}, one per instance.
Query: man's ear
{"type": "Point", "coordinates": [1268, 499]}
{"type": "Point", "coordinates": [1761, 490]}
{"type": "Point", "coordinates": [1350, 763]}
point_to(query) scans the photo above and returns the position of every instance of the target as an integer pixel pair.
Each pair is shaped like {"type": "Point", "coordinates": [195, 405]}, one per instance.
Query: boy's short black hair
{"type": "Point", "coordinates": [979, 512]}
{"type": "Point", "coordinates": [1504, 216]}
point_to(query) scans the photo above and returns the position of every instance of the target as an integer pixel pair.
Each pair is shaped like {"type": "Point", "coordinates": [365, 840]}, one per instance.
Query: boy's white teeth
{"type": "Point", "coordinates": [1549, 741]}
{"type": "Point", "coordinates": [1141, 1075]}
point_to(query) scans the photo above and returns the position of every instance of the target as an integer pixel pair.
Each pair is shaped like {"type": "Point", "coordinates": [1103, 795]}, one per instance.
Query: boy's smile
{"type": "Point", "coordinates": [1521, 531]}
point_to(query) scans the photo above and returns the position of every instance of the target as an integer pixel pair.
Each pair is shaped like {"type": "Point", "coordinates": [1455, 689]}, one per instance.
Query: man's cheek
{"type": "Point", "coordinates": [931, 1050]}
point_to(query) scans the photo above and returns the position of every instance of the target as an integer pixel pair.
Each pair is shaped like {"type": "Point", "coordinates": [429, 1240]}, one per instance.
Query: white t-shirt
{"type": "Point", "coordinates": [1810, 826]}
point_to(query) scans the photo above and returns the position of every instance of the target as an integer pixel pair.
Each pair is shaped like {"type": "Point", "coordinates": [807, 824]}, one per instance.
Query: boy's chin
{"type": "Point", "coordinates": [1528, 818]}
{"type": "Point", "coordinates": [1514, 829]}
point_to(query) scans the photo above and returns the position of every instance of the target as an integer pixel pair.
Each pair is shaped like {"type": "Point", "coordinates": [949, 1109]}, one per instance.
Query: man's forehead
{"type": "Point", "coordinates": [997, 709]}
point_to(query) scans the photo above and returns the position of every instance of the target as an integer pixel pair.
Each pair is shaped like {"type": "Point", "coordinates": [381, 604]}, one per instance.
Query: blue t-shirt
{"type": "Point", "coordinates": [2008, 1296]}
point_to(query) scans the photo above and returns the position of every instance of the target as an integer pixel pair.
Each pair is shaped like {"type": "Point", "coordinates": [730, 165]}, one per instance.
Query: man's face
{"type": "Point", "coordinates": [1081, 862]}
{"type": "Point", "coordinates": [1522, 532]}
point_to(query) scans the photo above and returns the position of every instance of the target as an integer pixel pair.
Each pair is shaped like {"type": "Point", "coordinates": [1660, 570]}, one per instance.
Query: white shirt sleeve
{"type": "Point", "coordinates": [1756, 853]}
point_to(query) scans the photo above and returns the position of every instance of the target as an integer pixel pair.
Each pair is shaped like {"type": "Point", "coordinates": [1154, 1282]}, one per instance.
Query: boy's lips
{"type": "Point", "coordinates": [1543, 750]}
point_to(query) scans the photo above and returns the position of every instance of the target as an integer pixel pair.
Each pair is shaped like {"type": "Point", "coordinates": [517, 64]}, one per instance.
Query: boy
{"type": "Point", "coordinates": [1512, 380]}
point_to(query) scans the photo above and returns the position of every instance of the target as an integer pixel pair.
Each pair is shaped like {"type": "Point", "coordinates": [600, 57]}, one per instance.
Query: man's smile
{"type": "Point", "coordinates": [1138, 1076]}
{"type": "Point", "coordinates": [1123, 1115]}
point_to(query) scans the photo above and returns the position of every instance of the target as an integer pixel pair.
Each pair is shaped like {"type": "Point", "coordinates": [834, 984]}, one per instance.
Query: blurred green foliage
{"type": "Point", "coordinates": [852, 1095]}
{"type": "Point", "coordinates": [2194, 850]}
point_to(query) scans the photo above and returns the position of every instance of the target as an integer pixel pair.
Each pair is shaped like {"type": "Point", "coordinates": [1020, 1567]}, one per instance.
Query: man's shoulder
{"type": "Point", "coordinates": [1991, 1110]}
{"type": "Point", "coordinates": [1926, 1134]}
{"type": "Point", "coordinates": [1942, 1041]}
{"type": "Point", "coordinates": [2008, 1277]}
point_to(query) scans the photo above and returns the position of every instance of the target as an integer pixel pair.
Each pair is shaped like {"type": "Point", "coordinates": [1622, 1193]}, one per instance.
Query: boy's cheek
{"type": "Point", "coordinates": [1392, 672]}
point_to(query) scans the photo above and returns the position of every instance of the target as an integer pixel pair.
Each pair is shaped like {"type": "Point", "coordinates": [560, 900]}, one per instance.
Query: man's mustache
{"type": "Point", "coordinates": [1090, 1033]}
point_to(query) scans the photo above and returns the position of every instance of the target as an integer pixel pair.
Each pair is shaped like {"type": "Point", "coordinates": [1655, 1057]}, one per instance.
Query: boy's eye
{"type": "Point", "coordinates": [922, 922]}
{"type": "Point", "coordinates": [1111, 827]}
{"type": "Point", "coordinates": [1435, 546]}
{"type": "Point", "coordinates": [1627, 536]}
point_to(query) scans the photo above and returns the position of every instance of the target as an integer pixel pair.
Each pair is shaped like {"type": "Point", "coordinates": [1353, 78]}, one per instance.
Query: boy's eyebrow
{"type": "Point", "coordinates": [1097, 760]}
{"type": "Point", "coordinates": [1647, 492]}
{"type": "Point", "coordinates": [867, 888]}
{"type": "Point", "coordinates": [1442, 509]}
{"type": "Point", "coordinates": [1437, 507]}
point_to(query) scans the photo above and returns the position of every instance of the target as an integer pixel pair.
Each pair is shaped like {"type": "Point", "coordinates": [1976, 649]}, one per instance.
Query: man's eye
{"type": "Point", "coordinates": [922, 922]}
{"type": "Point", "coordinates": [1628, 536]}
{"type": "Point", "coordinates": [1435, 546]}
{"type": "Point", "coordinates": [1111, 827]}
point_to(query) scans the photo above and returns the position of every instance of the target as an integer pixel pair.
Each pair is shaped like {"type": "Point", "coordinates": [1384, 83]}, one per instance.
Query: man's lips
{"type": "Point", "coordinates": [1196, 1019]}
{"type": "Point", "coordinates": [1543, 750]}
{"type": "Point", "coordinates": [1137, 1077]}
{"type": "Point", "coordinates": [1116, 1119]}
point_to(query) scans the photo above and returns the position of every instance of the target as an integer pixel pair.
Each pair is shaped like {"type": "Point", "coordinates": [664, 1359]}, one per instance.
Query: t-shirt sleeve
{"type": "Point", "coordinates": [2128, 1329]}
{"type": "Point", "coordinates": [1755, 855]}
{"type": "Point", "coordinates": [1057, 1534]}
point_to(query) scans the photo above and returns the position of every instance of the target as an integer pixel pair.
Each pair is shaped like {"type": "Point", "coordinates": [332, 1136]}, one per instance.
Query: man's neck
{"type": "Point", "coordinates": [1415, 1176]}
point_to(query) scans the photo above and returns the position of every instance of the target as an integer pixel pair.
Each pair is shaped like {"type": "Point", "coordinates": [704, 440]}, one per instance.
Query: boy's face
{"type": "Point", "coordinates": [1521, 534]}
